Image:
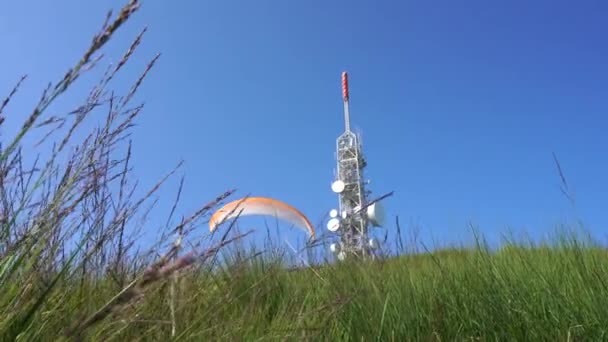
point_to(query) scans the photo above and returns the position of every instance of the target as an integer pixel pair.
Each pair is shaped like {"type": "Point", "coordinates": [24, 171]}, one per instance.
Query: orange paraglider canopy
{"type": "Point", "coordinates": [261, 206]}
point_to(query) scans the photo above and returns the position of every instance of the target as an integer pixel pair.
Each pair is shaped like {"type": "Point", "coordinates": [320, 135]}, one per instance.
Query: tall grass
{"type": "Point", "coordinates": [70, 222]}
{"type": "Point", "coordinates": [70, 268]}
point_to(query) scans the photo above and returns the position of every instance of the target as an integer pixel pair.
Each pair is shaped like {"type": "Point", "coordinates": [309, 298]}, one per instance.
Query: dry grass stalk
{"type": "Point", "coordinates": [162, 269]}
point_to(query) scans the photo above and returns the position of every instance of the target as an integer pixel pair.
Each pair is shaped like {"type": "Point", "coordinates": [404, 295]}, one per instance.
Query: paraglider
{"type": "Point", "coordinates": [261, 206]}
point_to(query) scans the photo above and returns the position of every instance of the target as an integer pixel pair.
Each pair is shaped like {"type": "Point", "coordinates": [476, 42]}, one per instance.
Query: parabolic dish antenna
{"type": "Point", "coordinates": [375, 213]}
{"type": "Point", "coordinates": [337, 186]}
{"type": "Point", "coordinates": [333, 224]}
{"type": "Point", "coordinates": [341, 255]}
{"type": "Point", "coordinates": [333, 213]}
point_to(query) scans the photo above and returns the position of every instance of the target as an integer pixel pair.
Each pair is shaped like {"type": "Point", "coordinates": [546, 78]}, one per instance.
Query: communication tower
{"type": "Point", "coordinates": [355, 213]}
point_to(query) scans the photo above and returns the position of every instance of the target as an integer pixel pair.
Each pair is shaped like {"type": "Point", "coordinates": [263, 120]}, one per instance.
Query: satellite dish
{"type": "Point", "coordinates": [333, 213]}
{"type": "Point", "coordinates": [334, 248]}
{"type": "Point", "coordinates": [338, 186]}
{"type": "Point", "coordinates": [344, 214]}
{"type": "Point", "coordinates": [333, 224]}
{"type": "Point", "coordinates": [375, 213]}
{"type": "Point", "coordinates": [373, 243]}
{"type": "Point", "coordinates": [341, 255]}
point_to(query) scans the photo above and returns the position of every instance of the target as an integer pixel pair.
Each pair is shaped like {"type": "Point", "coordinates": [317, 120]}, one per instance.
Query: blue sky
{"type": "Point", "coordinates": [461, 104]}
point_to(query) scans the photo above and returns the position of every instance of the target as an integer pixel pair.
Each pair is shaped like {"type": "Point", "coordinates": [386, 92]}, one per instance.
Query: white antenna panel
{"type": "Point", "coordinates": [334, 248]}
{"type": "Point", "coordinates": [376, 214]}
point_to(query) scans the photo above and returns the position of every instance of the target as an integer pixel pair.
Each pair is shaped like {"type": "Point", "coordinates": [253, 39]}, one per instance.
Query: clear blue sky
{"type": "Point", "coordinates": [461, 104]}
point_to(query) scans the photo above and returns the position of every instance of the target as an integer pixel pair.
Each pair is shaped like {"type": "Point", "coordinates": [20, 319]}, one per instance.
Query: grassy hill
{"type": "Point", "coordinates": [544, 293]}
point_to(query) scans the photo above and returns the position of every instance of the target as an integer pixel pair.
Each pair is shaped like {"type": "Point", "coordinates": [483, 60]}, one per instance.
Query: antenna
{"type": "Point", "coordinates": [355, 212]}
{"type": "Point", "coordinates": [345, 98]}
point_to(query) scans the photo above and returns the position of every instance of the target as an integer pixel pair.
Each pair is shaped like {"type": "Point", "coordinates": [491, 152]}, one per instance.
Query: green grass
{"type": "Point", "coordinates": [517, 293]}
{"type": "Point", "coordinates": [70, 267]}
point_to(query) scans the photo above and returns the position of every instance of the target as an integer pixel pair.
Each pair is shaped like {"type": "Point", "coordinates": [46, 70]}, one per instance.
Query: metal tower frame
{"type": "Point", "coordinates": [352, 199]}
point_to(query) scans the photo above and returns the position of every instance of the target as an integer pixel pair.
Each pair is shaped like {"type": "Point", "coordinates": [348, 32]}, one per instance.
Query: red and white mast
{"type": "Point", "coordinates": [345, 98]}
